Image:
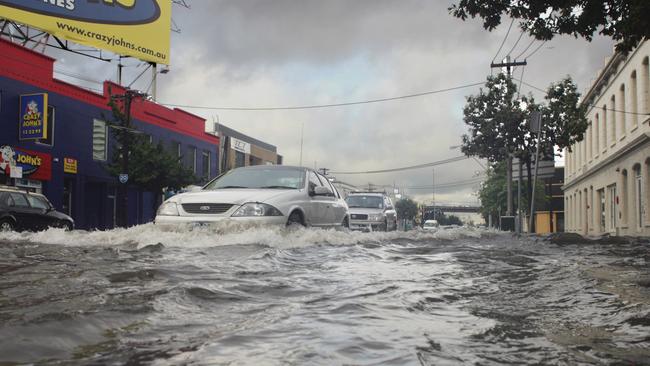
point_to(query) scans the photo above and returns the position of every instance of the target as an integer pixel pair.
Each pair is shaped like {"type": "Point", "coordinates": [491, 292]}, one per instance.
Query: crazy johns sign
{"type": "Point", "coordinates": [138, 28]}
{"type": "Point", "coordinates": [34, 165]}
{"type": "Point", "coordinates": [33, 117]}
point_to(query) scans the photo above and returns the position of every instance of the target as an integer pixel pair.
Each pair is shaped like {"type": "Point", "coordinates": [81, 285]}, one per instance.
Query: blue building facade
{"type": "Point", "coordinates": [69, 165]}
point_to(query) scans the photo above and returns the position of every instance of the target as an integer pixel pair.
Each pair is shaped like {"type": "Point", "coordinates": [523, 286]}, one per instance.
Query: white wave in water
{"type": "Point", "coordinates": [222, 235]}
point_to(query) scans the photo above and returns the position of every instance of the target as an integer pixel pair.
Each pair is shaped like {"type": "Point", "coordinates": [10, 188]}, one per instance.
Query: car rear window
{"type": "Point", "coordinates": [37, 202]}
{"type": "Point", "coordinates": [19, 200]}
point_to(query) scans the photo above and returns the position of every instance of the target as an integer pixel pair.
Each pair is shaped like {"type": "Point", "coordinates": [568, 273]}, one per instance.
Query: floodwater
{"type": "Point", "coordinates": [271, 296]}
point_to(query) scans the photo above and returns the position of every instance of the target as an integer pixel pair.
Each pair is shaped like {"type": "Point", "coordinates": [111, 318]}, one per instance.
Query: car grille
{"type": "Point", "coordinates": [206, 208]}
{"type": "Point", "coordinates": [358, 217]}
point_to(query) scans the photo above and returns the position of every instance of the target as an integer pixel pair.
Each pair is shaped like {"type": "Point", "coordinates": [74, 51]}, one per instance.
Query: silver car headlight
{"type": "Point", "coordinates": [168, 209]}
{"type": "Point", "coordinates": [375, 217]}
{"type": "Point", "coordinates": [256, 209]}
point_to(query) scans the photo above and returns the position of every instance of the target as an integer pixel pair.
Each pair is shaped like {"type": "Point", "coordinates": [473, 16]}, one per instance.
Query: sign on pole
{"type": "Point", "coordinates": [546, 169]}
{"type": "Point", "coordinates": [33, 117]}
{"type": "Point", "coordinates": [137, 28]}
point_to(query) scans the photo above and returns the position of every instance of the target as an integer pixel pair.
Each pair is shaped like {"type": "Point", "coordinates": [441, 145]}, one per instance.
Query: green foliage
{"type": "Point", "coordinates": [151, 167]}
{"type": "Point", "coordinates": [493, 193]}
{"type": "Point", "coordinates": [406, 208]}
{"type": "Point", "coordinates": [449, 220]}
{"type": "Point", "coordinates": [494, 117]}
{"type": "Point", "coordinates": [626, 21]}
{"type": "Point", "coordinates": [498, 122]}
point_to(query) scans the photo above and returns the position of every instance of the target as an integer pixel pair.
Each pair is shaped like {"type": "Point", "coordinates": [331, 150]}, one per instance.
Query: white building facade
{"type": "Point", "coordinates": [607, 174]}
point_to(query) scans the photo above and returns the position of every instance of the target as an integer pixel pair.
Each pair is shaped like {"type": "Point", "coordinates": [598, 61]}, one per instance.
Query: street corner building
{"type": "Point", "coordinates": [55, 140]}
{"type": "Point", "coordinates": [607, 175]}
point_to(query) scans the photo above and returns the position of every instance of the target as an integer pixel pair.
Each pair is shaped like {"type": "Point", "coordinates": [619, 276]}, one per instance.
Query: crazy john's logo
{"type": "Point", "coordinates": [10, 158]}
{"type": "Point", "coordinates": [123, 12]}
{"type": "Point", "coordinates": [7, 159]}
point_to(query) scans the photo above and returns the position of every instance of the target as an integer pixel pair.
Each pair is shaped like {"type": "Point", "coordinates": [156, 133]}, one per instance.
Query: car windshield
{"type": "Point", "coordinates": [429, 224]}
{"type": "Point", "coordinates": [365, 201]}
{"type": "Point", "coordinates": [260, 178]}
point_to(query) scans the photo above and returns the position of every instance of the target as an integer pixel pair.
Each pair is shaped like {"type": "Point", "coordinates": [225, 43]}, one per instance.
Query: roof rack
{"type": "Point", "coordinates": [12, 188]}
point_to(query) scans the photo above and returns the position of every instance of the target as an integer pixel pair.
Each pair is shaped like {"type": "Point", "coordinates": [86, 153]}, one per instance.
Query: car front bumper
{"type": "Point", "coordinates": [367, 225]}
{"type": "Point", "coordinates": [215, 220]}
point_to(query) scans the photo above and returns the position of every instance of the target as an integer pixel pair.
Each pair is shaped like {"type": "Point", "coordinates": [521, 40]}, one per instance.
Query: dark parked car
{"type": "Point", "coordinates": [20, 210]}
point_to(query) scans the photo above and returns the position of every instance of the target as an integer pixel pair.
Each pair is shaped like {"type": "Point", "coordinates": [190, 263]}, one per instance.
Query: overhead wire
{"type": "Point", "coordinates": [504, 41]}
{"type": "Point", "coordinates": [525, 49]}
{"type": "Point", "coordinates": [521, 34]}
{"type": "Point", "coordinates": [535, 51]}
{"type": "Point", "coordinates": [413, 167]}
{"type": "Point", "coordinates": [317, 106]}
{"type": "Point", "coordinates": [589, 105]}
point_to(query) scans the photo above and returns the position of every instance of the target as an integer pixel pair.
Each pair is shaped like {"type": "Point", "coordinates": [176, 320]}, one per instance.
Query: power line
{"type": "Point", "coordinates": [420, 166]}
{"type": "Point", "coordinates": [521, 34]}
{"type": "Point", "coordinates": [535, 51]}
{"type": "Point", "coordinates": [504, 40]}
{"type": "Point", "coordinates": [526, 49]}
{"type": "Point", "coordinates": [325, 105]}
{"type": "Point", "coordinates": [589, 105]}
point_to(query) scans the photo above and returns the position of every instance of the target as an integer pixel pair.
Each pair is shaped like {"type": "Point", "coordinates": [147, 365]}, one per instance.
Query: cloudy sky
{"type": "Point", "coordinates": [285, 53]}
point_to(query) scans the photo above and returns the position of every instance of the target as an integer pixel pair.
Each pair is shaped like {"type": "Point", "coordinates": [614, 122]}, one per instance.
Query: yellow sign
{"type": "Point", "coordinates": [70, 165]}
{"type": "Point", "coordinates": [138, 28]}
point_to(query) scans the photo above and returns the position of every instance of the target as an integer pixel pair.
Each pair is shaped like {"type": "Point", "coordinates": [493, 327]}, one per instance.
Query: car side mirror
{"type": "Point", "coordinates": [322, 191]}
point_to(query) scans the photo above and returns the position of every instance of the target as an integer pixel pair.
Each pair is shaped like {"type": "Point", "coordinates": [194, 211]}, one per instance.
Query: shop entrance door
{"type": "Point", "coordinates": [68, 193]}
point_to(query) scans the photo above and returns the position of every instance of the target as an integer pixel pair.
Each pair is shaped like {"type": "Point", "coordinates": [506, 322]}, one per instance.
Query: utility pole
{"type": "Point", "coordinates": [433, 191]}
{"type": "Point", "coordinates": [324, 171]}
{"type": "Point", "coordinates": [124, 152]}
{"type": "Point", "coordinates": [508, 65]}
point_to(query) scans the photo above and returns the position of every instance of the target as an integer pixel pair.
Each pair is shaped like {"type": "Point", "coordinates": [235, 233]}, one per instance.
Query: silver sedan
{"type": "Point", "coordinates": [265, 194]}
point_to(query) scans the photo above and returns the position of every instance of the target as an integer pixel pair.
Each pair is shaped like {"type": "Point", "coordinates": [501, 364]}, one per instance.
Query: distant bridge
{"type": "Point", "coordinates": [443, 208]}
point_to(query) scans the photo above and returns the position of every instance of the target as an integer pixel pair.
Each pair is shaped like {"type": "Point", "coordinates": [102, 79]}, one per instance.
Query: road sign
{"type": "Point", "coordinates": [534, 122]}
{"type": "Point", "coordinates": [546, 169]}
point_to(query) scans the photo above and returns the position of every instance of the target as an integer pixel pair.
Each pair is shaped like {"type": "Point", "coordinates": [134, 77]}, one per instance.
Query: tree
{"type": "Point", "coordinates": [626, 21]}
{"type": "Point", "coordinates": [449, 220]}
{"type": "Point", "coordinates": [492, 193]}
{"type": "Point", "coordinates": [498, 122]}
{"type": "Point", "coordinates": [406, 208]}
{"type": "Point", "coordinates": [150, 166]}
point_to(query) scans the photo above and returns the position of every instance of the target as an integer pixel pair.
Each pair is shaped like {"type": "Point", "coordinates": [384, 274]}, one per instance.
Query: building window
{"type": "Point", "coordinates": [590, 208]}
{"type": "Point", "coordinates": [192, 159]}
{"type": "Point", "coordinates": [612, 118]}
{"type": "Point", "coordinates": [601, 211]}
{"type": "Point", "coordinates": [634, 97]}
{"type": "Point", "coordinates": [99, 140]}
{"type": "Point", "coordinates": [240, 159]}
{"type": "Point", "coordinates": [605, 128]}
{"type": "Point", "coordinates": [611, 190]}
{"type": "Point", "coordinates": [205, 165]}
{"type": "Point", "coordinates": [623, 199]}
{"type": "Point", "coordinates": [176, 149]}
{"type": "Point", "coordinates": [638, 197]}
{"type": "Point", "coordinates": [645, 80]}
{"type": "Point", "coordinates": [621, 111]}
{"type": "Point", "coordinates": [50, 127]}
{"type": "Point", "coordinates": [597, 134]}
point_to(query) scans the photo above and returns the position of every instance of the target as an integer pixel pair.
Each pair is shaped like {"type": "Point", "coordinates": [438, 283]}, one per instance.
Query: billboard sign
{"type": "Point", "coordinates": [137, 28]}
{"type": "Point", "coordinates": [33, 117]}
{"type": "Point", "coordinates": [22, 163]}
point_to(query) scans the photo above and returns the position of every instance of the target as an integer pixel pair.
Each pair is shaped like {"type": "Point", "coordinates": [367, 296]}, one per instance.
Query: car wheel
{"type": "Point", "coordinates": [346, 223]}
{"type": "Point", "coordinates": [6, 225]}
{"type": "Point", "coordinates": [67, 226]}
{"type": "Point", "coordinates": [295, 219]}
{"type": "Point", "coordinates": [386, 225]}
{"type": "Point", "coordinates": [395, 225]}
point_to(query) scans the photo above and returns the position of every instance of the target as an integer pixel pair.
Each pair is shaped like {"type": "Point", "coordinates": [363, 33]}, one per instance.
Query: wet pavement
{"type": "Point", "coordinates": [229, 296]}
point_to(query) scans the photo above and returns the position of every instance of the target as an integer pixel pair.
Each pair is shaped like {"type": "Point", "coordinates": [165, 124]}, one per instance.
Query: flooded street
{"type": "Point", "coordinates": [318, 297]}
